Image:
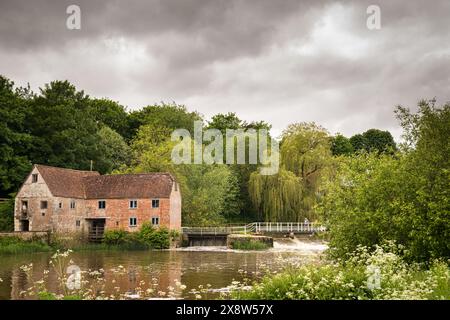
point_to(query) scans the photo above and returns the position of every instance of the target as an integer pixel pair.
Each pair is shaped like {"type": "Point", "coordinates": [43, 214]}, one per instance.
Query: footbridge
{"type": "Point", "coordinates": [217, 235]}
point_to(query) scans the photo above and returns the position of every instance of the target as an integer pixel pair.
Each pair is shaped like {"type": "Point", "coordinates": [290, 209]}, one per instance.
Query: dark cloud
{"type": "Point", "coordinates": [281, 61]}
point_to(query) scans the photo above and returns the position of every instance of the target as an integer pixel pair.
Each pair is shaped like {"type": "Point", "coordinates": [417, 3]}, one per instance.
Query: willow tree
{"type": "Point", "coordinates": [276, 197]}
{"type": "Point", "coordinates": [291, 194]}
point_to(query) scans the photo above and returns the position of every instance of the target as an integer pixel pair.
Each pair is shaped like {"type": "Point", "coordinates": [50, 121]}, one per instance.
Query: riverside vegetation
{"type": "Point", "coordinates": [146, 238]}
{"type": "Point", "coordinates": [351, 279]}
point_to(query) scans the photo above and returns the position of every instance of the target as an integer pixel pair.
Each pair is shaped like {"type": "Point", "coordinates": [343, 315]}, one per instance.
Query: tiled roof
{"type": "Point", "coordinates": [91, 185]}
{"type": "Point", "coordinates": [148, 185]}
{"type": "Point", "coordinates": [66, 183]}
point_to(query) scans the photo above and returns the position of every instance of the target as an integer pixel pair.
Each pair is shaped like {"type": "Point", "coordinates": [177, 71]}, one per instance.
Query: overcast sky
{"type": "Point", "coordinates": [280, 61]}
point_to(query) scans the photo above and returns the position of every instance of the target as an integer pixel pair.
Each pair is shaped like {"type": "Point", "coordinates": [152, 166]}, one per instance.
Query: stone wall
{"type": "Point", "coordinates": [30, 235]}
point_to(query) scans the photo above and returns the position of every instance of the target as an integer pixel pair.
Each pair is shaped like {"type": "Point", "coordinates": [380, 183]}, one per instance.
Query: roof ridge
{"type": "Point", "coordinates": [136, 174]}
{"type": "Point", "coordinates": [68, 169]}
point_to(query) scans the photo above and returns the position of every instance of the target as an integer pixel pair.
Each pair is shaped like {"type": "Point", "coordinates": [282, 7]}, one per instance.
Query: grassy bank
{"type": "Point", "coordinates": [378, 275]}
{"type": "Point", "coordinates": [145, 239]}
{"type": "Point", "coordinates": [15, 245]}
{"type": "Point", "coordinates": [249, 245]}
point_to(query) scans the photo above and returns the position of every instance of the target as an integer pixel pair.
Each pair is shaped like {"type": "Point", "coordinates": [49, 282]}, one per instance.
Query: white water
{"type": "Point", "coordinates": [297, 245]}
{"type": "Point", "coordinates": [279, 245]}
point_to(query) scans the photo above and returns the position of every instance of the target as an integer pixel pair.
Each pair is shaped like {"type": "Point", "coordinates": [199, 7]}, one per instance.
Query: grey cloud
{"type": "Point", "coordinates": [280, 61]}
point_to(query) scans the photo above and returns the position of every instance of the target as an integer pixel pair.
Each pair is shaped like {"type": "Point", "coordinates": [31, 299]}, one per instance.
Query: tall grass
{"type": "Point", "coordinates": [248, 245]}
{"type": "Point", "coordinates": [15, 245]}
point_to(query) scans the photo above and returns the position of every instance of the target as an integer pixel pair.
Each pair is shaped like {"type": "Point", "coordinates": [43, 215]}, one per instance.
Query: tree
{"type": "Point", "coordinates": [225, 121]}
{"type": "Point", "coordinates": [428, 171]}
{"type": "Point", "coordinates": [305, 150]}
{"type": "Point", "coordinates": [208, 191]}
{"type": "Point", "coordinates": [7, 215]}
{"type": "Point", "coordinates": [341, 145]}
{"type": "Point", "coordinates": [380, 141]}
{"type": "Point", "coordinates": [110, 113]}
{"type": "Point", "coordinates": [358, 142]}
{"type": "Point", "coordinates": [377, 197]}
{"type": "Point", "coordinates": [241, 208]}
{"type": "Point", "coordinates": [115, 151]}
{"type": "Point", "coordinates": [277, 197]}
{"type": "Point", "coordinates": [305, 159]}
{"type": "Point", "coordinates": [14, 138]}
{"type": "Point", "coordinates": [64, 133]}
{"type": "Point", "coordinates": [374, 140]}
{"type": "Point", "coordinates": [171, 116]}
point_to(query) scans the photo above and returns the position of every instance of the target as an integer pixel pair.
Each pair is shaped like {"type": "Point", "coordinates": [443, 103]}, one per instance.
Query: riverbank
{"type": "Point", "coordinates": [15, 245]}
{"type": "Point", "coordinates": [380, 275]}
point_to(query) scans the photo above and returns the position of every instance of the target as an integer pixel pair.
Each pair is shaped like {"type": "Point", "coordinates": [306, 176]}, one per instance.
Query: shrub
{"type": "Point", "coordinates": [147, 237]}
{"type": "Point", "coordinates": [154, 238]}
{"type": "Point", "coordinates": [115, 237]}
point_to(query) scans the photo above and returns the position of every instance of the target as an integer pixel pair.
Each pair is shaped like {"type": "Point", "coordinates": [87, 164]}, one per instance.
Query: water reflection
{"type": "Point", "coordinates": [158, 271]}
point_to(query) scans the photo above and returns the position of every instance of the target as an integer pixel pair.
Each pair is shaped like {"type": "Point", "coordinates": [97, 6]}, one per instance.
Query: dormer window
{"type": "Point", "coordinates": [34, 178]}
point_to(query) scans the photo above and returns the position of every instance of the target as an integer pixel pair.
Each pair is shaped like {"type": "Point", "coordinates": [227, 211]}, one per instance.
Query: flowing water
{"type": "Point", "coordinates": [203, 270]}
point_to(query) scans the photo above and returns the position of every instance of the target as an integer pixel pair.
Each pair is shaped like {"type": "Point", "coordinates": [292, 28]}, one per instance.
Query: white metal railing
{"type": "Point", "coordinates": [288, 227]}
{"type": "Point", "coordinates": [257, 227]}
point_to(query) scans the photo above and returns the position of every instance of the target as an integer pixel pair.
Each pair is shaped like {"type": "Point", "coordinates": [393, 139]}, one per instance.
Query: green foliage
{"type": "Point", "coordinates": [349, 280]}
{"type": "Point", "coordinates": [64, 134]}
{"type": "Point", "coordinates": [238, 205]}
{"type": "Point", "coordinates": [7, 215]}
{"type": "Point", "coordinates": [358, 142]}
{"type": "Point", "coordinates": [341, 145]}
{"type": "Point", "coordinates": [15, 245]}
{"type": "Point", "coordinates": [110, 114]}
{"type": "Point", "coordinates": [154, 238]}
{"type": "Point", "coordinates": [378, 140]}
{"type": "Point", "coordinates": [278, 197]}
{"type": "Point", "coordinates": [146, 238]}
{"type": "Point", "coordinates": [291, 194]}
{"type": "Point", "coordinates": [249, 245]}
{"type": "Point", "coordinates": [373, 140]}
{"type": "Point", "coordinates": [115, 151]}
{"type": "Point", "coordinates": [114, 237]}
{"type": "Point", "coordinates": [14, 138]}
{"type": "Point", "coordinates": [206, 189]}
{"type": "Point", "coordinates": [405, 197]}
{"type": "Point", "coordinates": [170, 116]}
{"type": "Point", "coordinates": [209, 192]}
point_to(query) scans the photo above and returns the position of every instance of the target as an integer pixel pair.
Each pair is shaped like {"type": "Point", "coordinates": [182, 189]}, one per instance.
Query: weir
{"type": "Point", "coordinates": [217, 236]}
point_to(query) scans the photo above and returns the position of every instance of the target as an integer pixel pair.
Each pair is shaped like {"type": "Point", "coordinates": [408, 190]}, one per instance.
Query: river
{"type": "Point", "coordinates": [194, 272]}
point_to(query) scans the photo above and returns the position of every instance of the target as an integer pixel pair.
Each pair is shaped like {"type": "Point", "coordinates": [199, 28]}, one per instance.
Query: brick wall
{"type": "Point", "coordinates": [117, 213]}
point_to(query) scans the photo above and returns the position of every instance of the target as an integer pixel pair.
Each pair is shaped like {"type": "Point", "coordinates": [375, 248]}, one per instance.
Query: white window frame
{"type": "Point", "coordinates": [155, 224]}
{"type": "Point", "coordinates": [104, 207]}
{"type": "Point", "coordinates": [135, 222]}
{"type": "Point", "coordinates": [133, 201]}
{"type": "Point", "coordinates": [157, 199]}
